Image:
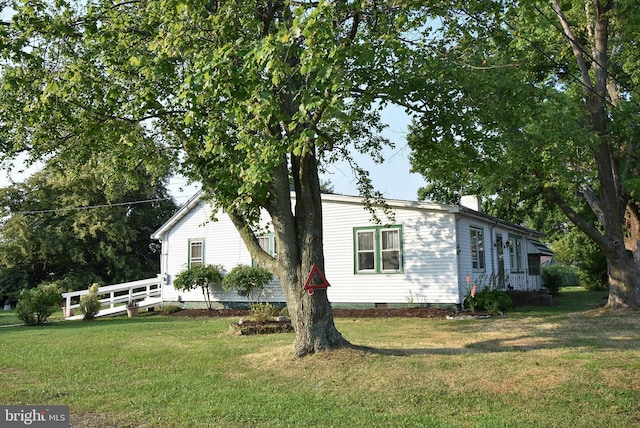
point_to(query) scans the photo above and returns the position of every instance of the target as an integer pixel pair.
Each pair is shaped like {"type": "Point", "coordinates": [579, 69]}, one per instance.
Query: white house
{"type": "Point", "coordinates": [429, 253]}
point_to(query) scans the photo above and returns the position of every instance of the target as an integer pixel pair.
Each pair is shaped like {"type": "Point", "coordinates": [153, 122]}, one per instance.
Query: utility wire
{"type": "Point", "coordinates": [90, 207]}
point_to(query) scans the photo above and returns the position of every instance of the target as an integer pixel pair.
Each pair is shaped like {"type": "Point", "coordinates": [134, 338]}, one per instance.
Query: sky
{"type": "Point", "coordinates": [392, 177]}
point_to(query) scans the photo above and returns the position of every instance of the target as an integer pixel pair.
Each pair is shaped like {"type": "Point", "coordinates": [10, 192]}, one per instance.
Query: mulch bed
{"type": "Point", "coordinates": [245, 327]}
{"type": "Point", "coordinates": [338, 313]}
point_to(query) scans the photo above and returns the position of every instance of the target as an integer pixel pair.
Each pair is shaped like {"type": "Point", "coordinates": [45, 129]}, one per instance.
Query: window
{"type": "Point", "coordinates": [477, 249]}
{"type": "Point", "coordinates": [268, 243]}
{"type": "Point", "coordinates": [378, 249]}
{"type": "Point", "coordinates": [515, 253]}
{"type": "Point", "coordinates": [390, 249]}
{"type": "Point", "coordinates": [365, 250]}
{"type": "Point", "coordinates": [196, 252]}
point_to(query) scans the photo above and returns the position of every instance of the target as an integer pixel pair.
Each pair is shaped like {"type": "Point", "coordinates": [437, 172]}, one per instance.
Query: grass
{"type": "Point", "coordinates": [568, 365]}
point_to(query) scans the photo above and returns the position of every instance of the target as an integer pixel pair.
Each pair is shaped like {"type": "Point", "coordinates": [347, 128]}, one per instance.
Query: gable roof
{"type": "Point", "coordinates": [178, 215]}
{"type": "Point", "coordinates": [357, 200]}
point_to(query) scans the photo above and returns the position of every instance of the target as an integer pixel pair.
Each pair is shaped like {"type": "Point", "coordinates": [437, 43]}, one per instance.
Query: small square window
{"type": "Point", "coordinates": [196, 252]}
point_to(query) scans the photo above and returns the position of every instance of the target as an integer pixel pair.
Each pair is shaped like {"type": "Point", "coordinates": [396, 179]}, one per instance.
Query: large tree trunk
{"type": "Point", "coordinates": [610, 205]}
{"type": "Point", "coordinates": [624, 281]}
{"type": "Point", "coordinates": [299, 246]}
{"type": "Point", "coordinates": [311, 314]}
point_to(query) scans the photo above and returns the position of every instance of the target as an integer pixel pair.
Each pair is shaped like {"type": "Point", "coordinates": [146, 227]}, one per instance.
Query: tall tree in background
{"type": "Point", "coordinates": [541, 102]}
{"type": "Point", "coordinates": [254, 94]}
{"type": "Point", "coordinates": [67, 224]}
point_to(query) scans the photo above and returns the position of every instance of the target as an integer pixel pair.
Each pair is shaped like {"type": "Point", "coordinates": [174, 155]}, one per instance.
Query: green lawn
{"type": "Point", "coordinates": [568, 365]}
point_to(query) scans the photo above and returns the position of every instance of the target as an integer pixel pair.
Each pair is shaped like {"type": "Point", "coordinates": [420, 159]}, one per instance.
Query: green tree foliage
{"type": "Point", "coordinates": [249, 281]}
{"type": "Point", "coordinates": [74, 224]}
{"type": "Point", "coordinates": [573, 248]}
{"type": "Point", "coordinates": [38, 304]}
{"type": "Point", "coordinates": [541, 107]}
{"type": "Point", "coordinates": [200, 276]}
{"type": "Point", "coordinates": [251, 93]}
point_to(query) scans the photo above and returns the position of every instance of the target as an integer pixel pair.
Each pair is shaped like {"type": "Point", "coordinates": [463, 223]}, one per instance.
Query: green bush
{"type": "Point", "coordinates": [552, 280]}
{"type": "Point", "coordinates": [170, 309]}
{"type": "Point", "coordinates": [205, 277]}
{"type": "Point", "coordinates": [284, 312]}
{"type": "Point", "coordinates": [89, 303]}
{"type": "Point", "coordinates": [492, 301]}
{"type": "Point", "coordinates": [247, 280]}
{"type": "Point", "coordinates": [262, 311]}
{"type": "Point", "coordinates": [37, 304]}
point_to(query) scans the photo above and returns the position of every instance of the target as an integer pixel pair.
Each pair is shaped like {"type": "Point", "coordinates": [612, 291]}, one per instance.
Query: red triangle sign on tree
{"type": "Point", "coordinates": [323, 284]}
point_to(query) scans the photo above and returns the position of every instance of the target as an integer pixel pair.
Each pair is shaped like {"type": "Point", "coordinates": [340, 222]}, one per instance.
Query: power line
{"type": "Point", "coordinates": [90, 207]}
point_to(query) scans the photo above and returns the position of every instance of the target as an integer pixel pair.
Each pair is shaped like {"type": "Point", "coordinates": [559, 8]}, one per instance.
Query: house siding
{"type": "Point", "coordinates": [222, 245]}
{"type": "Point", "coordinates": [428, 274]}
{"type": "Point", "coordinates": [436, 253]}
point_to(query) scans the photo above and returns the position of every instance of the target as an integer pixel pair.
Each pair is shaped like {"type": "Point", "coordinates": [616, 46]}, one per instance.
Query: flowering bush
{"type": "Point", "coordinates": [89, 303]}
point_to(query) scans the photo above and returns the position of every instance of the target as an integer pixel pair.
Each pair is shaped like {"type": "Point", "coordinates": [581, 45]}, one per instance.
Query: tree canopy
{"type": "Point", "coordinates": [249, 96]}
{"type": "Point", "coordinates": [70, 223]}
{"type": "Point", "coordinates": [536, 102]}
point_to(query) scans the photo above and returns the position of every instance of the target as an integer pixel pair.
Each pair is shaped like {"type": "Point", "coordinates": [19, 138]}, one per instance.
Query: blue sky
{"type": "Point", "coordinates": [392, 177]}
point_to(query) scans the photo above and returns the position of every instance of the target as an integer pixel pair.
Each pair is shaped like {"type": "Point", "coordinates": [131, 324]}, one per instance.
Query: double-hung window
{"type": "Point", "coordinates": [196, 252]}
{"type": "Point", "coordinates": [378, 249]}
{"type": "Point", "coordinates": [268, 243]}
{"type": "Point", "coordinates": [477, 249]}
{"type": "Point", "coordinates": [515, 253]}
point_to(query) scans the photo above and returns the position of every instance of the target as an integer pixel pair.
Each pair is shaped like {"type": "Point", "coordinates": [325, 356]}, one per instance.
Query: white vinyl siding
{"type": "Point", "coordinates": [222, 245]}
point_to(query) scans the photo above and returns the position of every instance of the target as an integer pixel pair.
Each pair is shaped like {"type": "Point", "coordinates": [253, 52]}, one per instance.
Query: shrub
{"type": "Point", "coordinates": [492, 301]}
{"type": "Point", "coordinates": [284, 312]}
{"type": "Point", "coordinates": [262, 311]}
{"type": "Point", "coordinates": [247, 280]}
{"type": "Point", "coordinates": [170, 309]}
{"type": "Point", "coordinates": [205, 277]}
{"type": "Point", "coordinates": [37, 304]}
{"type": "Point", "coordinates": [89, 303]}
{"type": "Point", "coordinates": [552, 280]}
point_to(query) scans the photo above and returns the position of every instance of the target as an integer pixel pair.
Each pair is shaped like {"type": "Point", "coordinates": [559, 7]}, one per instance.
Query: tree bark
{"type": "Point", "coordinates": [312, 317]}
{"type": "Point", "coordinates": [624, 280]}
{"type": "Point", "coordinates": [610, 205]}
{"type": "Point", "coordinates": [299, 241]}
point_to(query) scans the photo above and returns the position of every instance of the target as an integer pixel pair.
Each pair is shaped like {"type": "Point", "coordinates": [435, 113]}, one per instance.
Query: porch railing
{"type": "Point", "coordinates": [113, 298]}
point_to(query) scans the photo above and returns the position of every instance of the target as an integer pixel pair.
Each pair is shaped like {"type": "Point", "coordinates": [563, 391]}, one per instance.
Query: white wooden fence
{"type": "Point", "coordinates": [114, 298]}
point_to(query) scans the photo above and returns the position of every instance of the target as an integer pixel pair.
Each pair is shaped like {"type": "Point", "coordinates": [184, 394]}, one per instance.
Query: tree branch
{"type": "Point", "coordinates": [576, 218]}
{"type": "Point", "coordinates": [577, 49]}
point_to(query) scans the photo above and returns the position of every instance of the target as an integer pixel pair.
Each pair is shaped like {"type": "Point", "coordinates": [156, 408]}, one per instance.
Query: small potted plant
{"type": "Point", "coordinates": [67, 312]}
{"type": "Point", "coordinates": [132, 309]}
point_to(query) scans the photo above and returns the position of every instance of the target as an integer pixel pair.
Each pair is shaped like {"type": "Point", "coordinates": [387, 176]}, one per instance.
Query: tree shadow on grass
{"type": "Point", "coordinates": [406, 352]}
{"type": "Point", "coordinates": [584, 334]}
